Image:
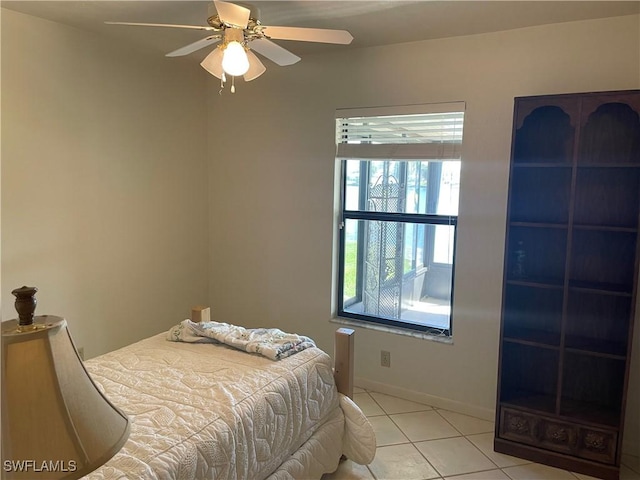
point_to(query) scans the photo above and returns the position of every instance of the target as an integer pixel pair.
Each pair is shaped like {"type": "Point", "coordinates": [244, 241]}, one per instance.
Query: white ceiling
{"type": "Point", "coordinates": [370, 22]}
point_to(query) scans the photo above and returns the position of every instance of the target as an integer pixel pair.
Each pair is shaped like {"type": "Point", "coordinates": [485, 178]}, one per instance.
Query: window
{"type": "Point", "coordinates": [400, 182]}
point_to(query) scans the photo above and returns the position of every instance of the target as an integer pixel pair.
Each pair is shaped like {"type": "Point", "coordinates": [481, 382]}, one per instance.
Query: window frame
{"type": "Point", "coordinates": [413, 218]}
{"type": "Point", "coordinates": [366, 151]}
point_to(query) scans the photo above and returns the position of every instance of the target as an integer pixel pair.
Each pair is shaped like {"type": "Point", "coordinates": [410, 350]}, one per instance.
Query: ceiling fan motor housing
{"type": "Point", "coordinates": [252, 31]}
{"type": "Point", "coordinates": [232, 34]}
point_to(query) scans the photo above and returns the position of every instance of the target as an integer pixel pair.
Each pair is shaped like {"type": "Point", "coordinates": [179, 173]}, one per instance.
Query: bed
{"type": "Point", "coordinates": [204, 411]}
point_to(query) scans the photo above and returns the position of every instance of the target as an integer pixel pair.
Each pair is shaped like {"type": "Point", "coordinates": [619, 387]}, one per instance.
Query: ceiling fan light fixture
{"type": "Point", "coordinates": [213, 63]}
{"type": "Point", "coordinates": [234, 60]}
{"type": "Point", "coordinates": [235, 27]}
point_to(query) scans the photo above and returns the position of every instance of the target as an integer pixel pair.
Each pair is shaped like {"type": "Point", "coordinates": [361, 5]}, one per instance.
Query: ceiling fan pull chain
{"type": "Point", "coordinates": [233, 84]}
{"type": "Point", "coordinates": [223, 79]}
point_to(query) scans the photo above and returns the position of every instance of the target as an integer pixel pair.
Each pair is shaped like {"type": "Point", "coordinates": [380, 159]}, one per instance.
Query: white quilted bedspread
{"type": "Point", "coordinates": [202, 411]}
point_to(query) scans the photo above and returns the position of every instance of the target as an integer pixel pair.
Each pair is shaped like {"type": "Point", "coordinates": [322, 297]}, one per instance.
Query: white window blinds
{"type": "Point", "coordinates": [418, 132]}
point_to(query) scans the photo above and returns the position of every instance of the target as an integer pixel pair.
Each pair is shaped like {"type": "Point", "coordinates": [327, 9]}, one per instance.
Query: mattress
{"type": "Point", "coordinates": [201, 411]}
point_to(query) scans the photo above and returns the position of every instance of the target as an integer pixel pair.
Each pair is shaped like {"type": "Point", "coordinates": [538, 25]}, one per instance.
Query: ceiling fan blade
{"type": "Point", "coordinates": [213, 63]}
{"type": "Point", "coordinates": [192, 47]}
{"type": "Point", "coordinates": [309, 34]}
{"type": "Point", "coordinates": [274, 52]}
{"type": "Point", "coordinates": [170, 25]}
{"type": "Point", "coordinates": [233, 14]}
{"type": "Point", "coordinates": [256, 67]}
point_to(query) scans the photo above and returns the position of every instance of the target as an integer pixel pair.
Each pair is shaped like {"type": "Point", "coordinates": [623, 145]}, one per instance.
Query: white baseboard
{"type": "Point", "coordinates": [439, 402]}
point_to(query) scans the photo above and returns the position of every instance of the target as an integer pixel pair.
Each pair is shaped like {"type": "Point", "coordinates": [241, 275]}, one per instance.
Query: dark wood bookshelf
{"type": "Point", "coordinates": [570, 280]}
{"type": "Point", "coordinates": [529, 401]}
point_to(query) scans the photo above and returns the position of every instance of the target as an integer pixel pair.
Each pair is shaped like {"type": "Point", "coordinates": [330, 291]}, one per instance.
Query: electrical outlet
{"type": "Point", "coordinates": [81, 352]}
{"type": "Point", "coordinates": [385, 358]}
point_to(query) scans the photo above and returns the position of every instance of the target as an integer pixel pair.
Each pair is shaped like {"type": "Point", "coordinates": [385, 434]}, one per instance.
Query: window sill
{"type": "Point", "coordinates": [394, 330]}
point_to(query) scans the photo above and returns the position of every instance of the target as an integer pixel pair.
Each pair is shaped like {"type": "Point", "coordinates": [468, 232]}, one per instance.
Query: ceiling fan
{"type": "Point", "coordinates": [240, 34]}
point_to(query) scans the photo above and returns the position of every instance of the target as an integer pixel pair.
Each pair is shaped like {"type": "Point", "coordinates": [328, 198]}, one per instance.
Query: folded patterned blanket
{"type": "Point", "coordinates": [269, 342]}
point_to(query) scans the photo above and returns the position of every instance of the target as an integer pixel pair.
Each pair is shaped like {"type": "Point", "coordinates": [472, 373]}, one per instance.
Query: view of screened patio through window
{"type": "Point", "coordinates": [399, 209]}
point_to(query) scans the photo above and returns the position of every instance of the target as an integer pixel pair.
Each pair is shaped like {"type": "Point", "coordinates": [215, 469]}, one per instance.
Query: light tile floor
{"type": "Point", "coordinates": [419, 442]}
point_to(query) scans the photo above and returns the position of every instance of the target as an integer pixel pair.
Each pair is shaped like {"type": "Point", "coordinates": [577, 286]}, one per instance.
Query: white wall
{"type": "Point", "coordinates": [104, 185]}
{"type": "Point", "coordinates": [272, 179]}
{"type": "Point", "coordinates": [104, 200]}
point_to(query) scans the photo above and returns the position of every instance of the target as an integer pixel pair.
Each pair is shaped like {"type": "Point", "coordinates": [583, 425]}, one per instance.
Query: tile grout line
{"type": "Point", "coordinates": [440, 476]}
{"type": "Point", "coordinates": [461, 434]}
